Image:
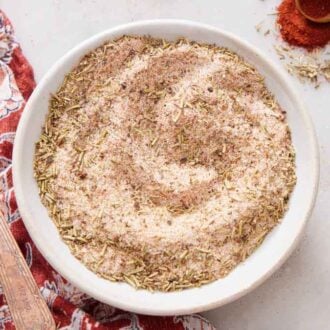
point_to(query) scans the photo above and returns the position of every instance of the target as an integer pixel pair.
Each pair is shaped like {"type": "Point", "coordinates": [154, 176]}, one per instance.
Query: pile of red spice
{"type": "Point", "coordinates": [299, 31]}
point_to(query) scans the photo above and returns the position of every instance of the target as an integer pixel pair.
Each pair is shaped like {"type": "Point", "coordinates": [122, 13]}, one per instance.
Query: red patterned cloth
{"type": "Point", "coordinates": [71, 308]}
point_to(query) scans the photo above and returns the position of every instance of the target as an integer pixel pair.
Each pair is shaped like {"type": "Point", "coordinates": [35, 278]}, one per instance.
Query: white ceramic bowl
{"type": "Point", "coordinates": [271, 254]}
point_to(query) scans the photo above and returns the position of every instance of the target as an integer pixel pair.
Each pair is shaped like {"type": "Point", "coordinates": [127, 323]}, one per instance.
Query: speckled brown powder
{"type": "Point", "coordinates": [164, 164]}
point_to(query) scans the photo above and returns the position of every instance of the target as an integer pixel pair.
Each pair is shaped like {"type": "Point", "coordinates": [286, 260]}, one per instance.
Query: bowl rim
{"type": "Point", "coordinates": [158, 310]}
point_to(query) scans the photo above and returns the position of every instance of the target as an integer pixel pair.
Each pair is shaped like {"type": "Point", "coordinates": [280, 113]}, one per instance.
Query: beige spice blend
{"type": "Point", "coordinates": [164, 164]}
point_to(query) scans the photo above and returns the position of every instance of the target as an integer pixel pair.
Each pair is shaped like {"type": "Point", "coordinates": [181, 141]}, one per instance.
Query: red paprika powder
{"type": "Point", "coordinates": [298, 30]}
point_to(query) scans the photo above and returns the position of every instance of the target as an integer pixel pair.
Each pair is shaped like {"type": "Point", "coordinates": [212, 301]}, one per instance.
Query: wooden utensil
{"type": "Point", "coordinates": [322, 19]}
{"type": "Point", "coordinates": [28, 309]}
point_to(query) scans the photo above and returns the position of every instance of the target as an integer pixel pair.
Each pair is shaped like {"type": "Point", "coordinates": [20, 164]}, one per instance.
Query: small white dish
{"type": "Point", "coordinates": [257, 268]}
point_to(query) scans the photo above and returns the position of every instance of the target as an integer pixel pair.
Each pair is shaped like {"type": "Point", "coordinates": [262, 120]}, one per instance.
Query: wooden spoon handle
{"type": "Point", "coordinates": [28, 309]}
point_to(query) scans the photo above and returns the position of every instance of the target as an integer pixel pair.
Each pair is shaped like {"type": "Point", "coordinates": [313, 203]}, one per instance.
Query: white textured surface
{"type": "Point", "coordinates": [296, 297]}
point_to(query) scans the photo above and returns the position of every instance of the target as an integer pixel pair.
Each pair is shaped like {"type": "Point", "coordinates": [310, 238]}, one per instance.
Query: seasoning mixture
{"type": "Point", "coordinates": [164, 164]}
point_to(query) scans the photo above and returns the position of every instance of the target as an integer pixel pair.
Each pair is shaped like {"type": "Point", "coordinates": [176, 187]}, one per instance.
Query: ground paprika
{"type": "Point", "coordinates": [299, 31]}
